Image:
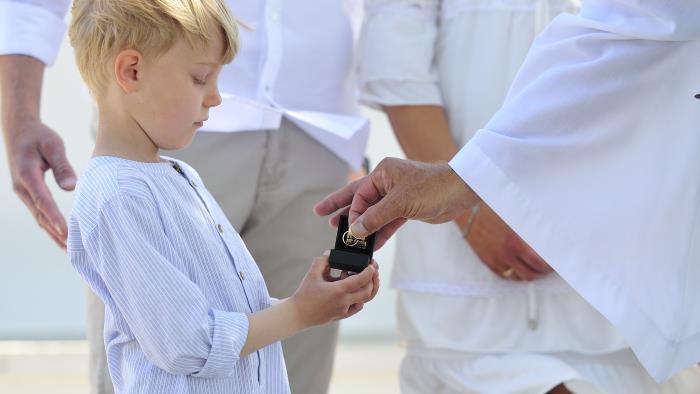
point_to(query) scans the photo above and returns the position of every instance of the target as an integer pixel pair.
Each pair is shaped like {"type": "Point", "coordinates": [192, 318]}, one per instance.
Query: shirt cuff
{"type": "Point", "coordinates": [27, 29]}
{"type": "Point", "coordinates": [229, 334]}
{"type": "Point", "coordinates": [394, 92]}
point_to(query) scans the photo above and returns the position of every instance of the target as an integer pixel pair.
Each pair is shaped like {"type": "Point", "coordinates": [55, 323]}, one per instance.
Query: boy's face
{"type": "Point", "coordinates": [177, 90]}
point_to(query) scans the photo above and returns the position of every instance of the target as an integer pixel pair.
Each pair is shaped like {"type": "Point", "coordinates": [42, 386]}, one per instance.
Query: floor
{"type": "Point", "coordinates": [59, 367]}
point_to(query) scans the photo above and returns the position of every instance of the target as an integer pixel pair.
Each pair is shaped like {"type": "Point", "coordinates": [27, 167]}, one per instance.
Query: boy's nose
{"type": "Point", "coordinates": [214, 99]}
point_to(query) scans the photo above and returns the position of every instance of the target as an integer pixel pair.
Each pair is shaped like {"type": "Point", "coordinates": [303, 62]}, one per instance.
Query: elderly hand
{"type": "Point", "coordinates": [501, 249]}
{"type": "Point", "coordinates": [395, 191]}
{"type": "Point", "coordinates": [32, 149]}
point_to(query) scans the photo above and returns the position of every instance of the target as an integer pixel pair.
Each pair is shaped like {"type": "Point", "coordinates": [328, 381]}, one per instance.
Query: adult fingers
{"type": "Point", "coordinates": [339, 199]}
{"type": "Point", "coordinates": [40, 218]}
{"type": "Point", "coordinates": [54, 153]}
{"type": "Point", "coordinates": [517, 247]}
{"type": "Point", "coordinates": [524, 271]}
{"type": "Point", "coordinates": [32, 179]}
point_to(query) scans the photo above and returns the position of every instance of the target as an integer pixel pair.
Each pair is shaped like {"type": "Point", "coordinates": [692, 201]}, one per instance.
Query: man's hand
{"type": "Point", "coordinates": [502, 250]}
{"type": "Point", "coordinates": [32, 148]}
{"type": "Point", "coordinates": [395, 191]}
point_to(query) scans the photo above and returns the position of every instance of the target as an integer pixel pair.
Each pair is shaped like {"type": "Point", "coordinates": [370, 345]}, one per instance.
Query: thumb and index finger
{"type": "Point", "coordinates": [371, 206]}
{"type": "Point", "coordinates": [55, 156]}
{"type": "Point", "coordinates": [31, 169]}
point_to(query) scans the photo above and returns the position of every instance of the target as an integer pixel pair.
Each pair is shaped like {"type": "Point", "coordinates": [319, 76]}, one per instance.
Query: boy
{"type": "Point", "coordinates": [187, 310]}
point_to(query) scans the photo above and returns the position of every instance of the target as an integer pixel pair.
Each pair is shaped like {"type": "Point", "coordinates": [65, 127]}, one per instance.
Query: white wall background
{"type": "Point", "coordinates": [41, 296]}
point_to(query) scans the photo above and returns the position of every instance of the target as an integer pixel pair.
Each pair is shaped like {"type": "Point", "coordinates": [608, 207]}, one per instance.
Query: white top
{"type": "Point", "coordinates": [296, 63]}
{"type": "Point", "coordinates": [176, 280]}
{"type": "Point", "coordinates": [463, 55]}
{"type": "Point", "coordinates": [594, 160]}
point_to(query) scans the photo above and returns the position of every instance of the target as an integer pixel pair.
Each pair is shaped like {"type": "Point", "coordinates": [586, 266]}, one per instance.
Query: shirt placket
{"type": "Point", "coordinates": [233, 256]}
{"type": "Point", "coordinates": [273, 49]}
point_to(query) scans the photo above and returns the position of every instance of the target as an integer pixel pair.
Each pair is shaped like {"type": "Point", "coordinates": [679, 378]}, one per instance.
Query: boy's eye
{"type": "Point", "coordinates": [199, 81]}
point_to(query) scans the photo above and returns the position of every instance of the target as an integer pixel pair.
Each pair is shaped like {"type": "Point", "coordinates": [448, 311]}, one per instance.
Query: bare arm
{"type": "Point", "coordinates": [424, 135]}
{"type": "Point", "coordinates": [318, 300]}
{"type": "Point", "coordinates": [32, 147]}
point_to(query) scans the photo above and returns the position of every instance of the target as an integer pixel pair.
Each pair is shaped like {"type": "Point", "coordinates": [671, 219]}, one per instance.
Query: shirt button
{"type": "Point", "coordinates": [220, 228]}
{"type": "Point", "coordinates": [193, 183]}
{"type": "Point", "coordinates": [242, 275]}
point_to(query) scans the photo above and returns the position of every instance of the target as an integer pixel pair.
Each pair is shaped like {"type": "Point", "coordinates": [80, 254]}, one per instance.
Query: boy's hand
{"type": "Point", "coordinates": [321, 298]}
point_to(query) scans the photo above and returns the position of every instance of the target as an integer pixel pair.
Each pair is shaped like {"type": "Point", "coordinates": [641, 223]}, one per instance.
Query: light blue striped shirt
{"type": "Point", "coordinates": [176, 280]}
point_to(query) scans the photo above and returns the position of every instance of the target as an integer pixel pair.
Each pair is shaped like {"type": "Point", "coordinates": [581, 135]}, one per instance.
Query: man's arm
{"type": "Point", "coordinates": [424, 135]}
{"type": "Point", "coordinates": [32, 147]}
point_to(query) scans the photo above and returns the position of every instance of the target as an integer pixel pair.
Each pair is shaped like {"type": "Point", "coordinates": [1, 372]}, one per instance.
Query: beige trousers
{"type": "Point", "coordinates": [267, 183]}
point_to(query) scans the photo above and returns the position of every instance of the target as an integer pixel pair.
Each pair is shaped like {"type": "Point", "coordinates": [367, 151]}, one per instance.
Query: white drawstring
{"type": "Point", "coordinates": [532, 317]}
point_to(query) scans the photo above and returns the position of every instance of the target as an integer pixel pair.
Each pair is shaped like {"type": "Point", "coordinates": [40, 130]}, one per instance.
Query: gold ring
{"type": "Point", "coordinates": [507, 273]}
{"type": "Point", "coordinates": [350, 240]}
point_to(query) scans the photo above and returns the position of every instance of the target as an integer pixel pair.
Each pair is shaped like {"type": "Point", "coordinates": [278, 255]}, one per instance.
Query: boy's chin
{"type": "Point", "coordinates": [177, 145]}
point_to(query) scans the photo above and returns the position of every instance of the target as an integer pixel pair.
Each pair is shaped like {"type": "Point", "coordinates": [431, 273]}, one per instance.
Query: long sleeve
{"type": "Point", "coordinates": [33, 28]}
{"type": "Point", "coordinates": [167, 313]}
{"type": "Point", "coordinates": [397, 53]}
{"type": "Point", "coordinates": [594, 159]}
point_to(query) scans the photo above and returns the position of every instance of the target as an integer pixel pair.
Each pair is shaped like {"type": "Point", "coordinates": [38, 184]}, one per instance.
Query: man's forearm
{"type": "Point", "coordinates": [424, 135]}
{"type": "Point", "coordinates": [20, 89]}
{"type": "Point", "coordinates": [422, 131]}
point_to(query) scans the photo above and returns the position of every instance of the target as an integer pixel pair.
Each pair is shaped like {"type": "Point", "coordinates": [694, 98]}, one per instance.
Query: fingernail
{"type": "Point", "coordinates": [358, 229]}
{"type": "Point", "coordinates": [67, 182]}
{"type": "Point", "coordinates": [58, 229]}
{"type": "Point", "coordinates": [327, 253]}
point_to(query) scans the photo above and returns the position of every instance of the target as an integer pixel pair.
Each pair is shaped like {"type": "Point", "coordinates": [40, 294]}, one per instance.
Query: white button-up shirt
{"type": "Point", "coordinates": [297, 63]}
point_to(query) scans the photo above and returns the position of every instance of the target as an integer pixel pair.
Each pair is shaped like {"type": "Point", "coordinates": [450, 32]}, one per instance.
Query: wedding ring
{"type": "Point", "coordinates": [350, 240]}
{"type": "Point", "coordinates": [507, 273]}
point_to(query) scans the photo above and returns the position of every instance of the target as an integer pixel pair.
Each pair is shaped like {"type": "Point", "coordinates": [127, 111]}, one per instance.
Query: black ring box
{"type": "Point", "coordinates": [350, 258]}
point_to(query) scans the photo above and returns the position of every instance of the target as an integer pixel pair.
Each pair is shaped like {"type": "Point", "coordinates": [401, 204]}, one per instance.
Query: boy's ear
{"type": "Point", "coordinates": [128, 68]}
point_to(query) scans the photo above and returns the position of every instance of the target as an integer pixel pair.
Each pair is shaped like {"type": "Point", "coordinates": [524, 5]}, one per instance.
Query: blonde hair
{"type": "Point", "coordinates": [102, 28]}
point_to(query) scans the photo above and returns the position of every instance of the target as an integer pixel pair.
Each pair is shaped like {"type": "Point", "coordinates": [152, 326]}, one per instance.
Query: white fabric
{"type": "Point", "coordinates": [32, 28]}
{"type": "Point", "coordinates": [442, 372]}
{"type": "Point", "coordinates": [594, 160]}
{"type": "Point", "coordinates": [299, 56]}
{"type": "Point", "coordinates": [474, 54]}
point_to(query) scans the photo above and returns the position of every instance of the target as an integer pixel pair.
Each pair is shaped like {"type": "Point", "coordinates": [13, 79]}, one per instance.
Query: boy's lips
{"type": "Point", "coordinates": [200, 123]}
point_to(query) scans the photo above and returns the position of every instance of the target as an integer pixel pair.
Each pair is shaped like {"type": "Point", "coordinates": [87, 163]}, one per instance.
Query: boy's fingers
{"type": "Point", "coordinates": [355, 282]}
{"type": "Point", "coordinates": [363, 294]}
{"type": "Point", "coordinates": [354, 308]}
{"type": "Point", "coordinates": [320, 266]}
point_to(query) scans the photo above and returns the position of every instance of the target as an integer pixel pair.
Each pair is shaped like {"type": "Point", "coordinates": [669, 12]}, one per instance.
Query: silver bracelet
{"type": "Point", "coordinates": [470, 220]}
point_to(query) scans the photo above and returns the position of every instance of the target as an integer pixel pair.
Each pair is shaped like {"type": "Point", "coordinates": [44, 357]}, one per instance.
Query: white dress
{"type": "Point", "coordinates": [467, 330]}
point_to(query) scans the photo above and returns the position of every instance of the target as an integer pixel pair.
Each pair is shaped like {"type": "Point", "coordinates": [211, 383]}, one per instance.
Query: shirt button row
{"type": "Point", "coordinates": [220, 228]}
{"type": "Point", "coordinates": [242, 275]}
{"type": "Point", "coordinates": [193, 183]}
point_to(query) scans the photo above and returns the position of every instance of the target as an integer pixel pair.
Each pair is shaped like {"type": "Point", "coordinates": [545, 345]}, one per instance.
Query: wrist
{"type": "Point", "coordinates": [295, 314]}
{"type": "Point", "coordinates": [15, 122]}
{"type": "Point", "coordinates": [465, 221]}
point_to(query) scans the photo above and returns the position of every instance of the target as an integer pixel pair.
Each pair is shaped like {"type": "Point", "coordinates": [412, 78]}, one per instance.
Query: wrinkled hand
{"type": "Point", "coordinates": [395, 191]}
{"type": "Point", "coordinates": [33, 149]}
{"type": "Point", "coordinates": [502, 250]}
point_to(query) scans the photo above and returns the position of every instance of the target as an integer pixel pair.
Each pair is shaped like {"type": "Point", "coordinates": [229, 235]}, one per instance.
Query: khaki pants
{"type": "Point", "coordinates": [267, 183]}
